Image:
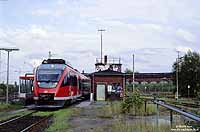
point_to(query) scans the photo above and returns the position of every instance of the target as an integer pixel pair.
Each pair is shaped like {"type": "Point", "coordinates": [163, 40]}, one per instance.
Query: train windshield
{"type": "Point", "coordinates": [48, 78]}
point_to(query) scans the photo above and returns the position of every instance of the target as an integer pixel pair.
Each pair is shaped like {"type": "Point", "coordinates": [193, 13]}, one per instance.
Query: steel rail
{"type": "Point", "coordinates": [8, 121]}
{"type": "Point", "coordinates": [35, 124]}
{"type": "Point", "coordinates": [185, 113]}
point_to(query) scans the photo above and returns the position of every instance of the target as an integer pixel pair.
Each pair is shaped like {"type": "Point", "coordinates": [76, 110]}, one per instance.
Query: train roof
{"type": "Point", "coordinates": [59, 64]}
{"type": "Point", "coordinates": [84, 77]}
{"type": "Point", "coordinates": [52, 66]}
{"type": "Point", "coordinates": [54, 61]}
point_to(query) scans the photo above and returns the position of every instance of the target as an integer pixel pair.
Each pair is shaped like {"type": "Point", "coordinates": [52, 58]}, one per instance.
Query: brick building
{"type": "Point", "coordinates": [108, 82]}
{"type": "Point", "coordinates": [113, 82]}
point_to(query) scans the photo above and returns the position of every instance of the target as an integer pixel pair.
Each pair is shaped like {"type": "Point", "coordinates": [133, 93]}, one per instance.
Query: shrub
{"type": "Point", "coordinates": [132, 101]}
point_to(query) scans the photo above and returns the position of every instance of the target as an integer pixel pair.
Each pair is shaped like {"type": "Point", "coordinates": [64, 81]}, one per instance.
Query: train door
{"type": "Point", "coordinates": [78, 87]}
{"type": "Point", "coordinates": [74, 84]}
{"type": "Point", "coordinates": [101, 88]}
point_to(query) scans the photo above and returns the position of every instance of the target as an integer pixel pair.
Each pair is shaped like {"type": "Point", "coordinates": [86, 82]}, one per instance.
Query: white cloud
{"type": "Point", "coordinates": [153, 10]}
{"type": "Point", "coordinates": [38, 32]}
{"type": "Point", "coordinates": [41, 12]}
{"type": "Point", "coordinates": [35, 62]}
{"type": "Point", "coordinates": [186, 35]}
{"type": "Point", "coordinates": [183, 49]}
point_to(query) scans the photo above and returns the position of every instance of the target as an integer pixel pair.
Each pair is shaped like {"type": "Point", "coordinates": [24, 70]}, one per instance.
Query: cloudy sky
{"type": "Point", "coordinates": [151, 29]}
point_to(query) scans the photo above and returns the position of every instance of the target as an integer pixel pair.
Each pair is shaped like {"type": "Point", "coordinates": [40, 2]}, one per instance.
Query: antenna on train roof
{"type": "Point", "coordinates": [50, 55]}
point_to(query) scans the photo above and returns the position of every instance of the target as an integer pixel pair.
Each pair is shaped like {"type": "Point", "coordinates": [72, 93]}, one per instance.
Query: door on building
{"type": "Point", "coordinates": [101, 91]}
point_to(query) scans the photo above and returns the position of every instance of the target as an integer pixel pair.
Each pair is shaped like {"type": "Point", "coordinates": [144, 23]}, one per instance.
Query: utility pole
{"type": "Point", "coordinates": [0, 67]}
{"type": "Point", "coordinates": [101, 30]}
{"type": "Point", "coordinates": [7, 76]}
{"type": "Point", "coordinates": [177, 70]}
{"type": "Point", "coordinates": [8, 59]}
{"type": "Point", "coordinates": [133, 72]}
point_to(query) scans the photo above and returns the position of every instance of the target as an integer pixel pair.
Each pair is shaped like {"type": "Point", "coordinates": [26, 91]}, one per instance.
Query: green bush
{"type": "Point", "coordinates": [198, 95]}
{"type": "Point", "coordinates": [132, 101]}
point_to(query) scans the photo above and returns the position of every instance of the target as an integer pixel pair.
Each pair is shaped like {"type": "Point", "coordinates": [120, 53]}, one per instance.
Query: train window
{"type": "Point", "coordinates": [85, 85]}
{"type": "Point", "coordinates": [66, 81]}
{"type": "Point", "coordinates": [80, 84]}
{"type": "Point", "coordinates": [73, 80]}
{"type": "Point", "coordinates": [48, 75]}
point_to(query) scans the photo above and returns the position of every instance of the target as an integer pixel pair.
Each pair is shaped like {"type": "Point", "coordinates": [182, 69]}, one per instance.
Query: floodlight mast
{"type": "Point", "coordinates": [133, 73]}
{"type": "Point", "coordinates": [177, 76]}
{"type": "Point", "coordinates": [101, 30]}
{"type": "Point", "coordinates": [8, 50]}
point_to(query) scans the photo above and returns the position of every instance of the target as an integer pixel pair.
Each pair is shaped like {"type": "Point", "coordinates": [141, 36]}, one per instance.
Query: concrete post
{"type": "Point", "coordinates": [92, 90]}
{"type": "Point", "coordinates": [157, 115]}
{"type": "Point", "coordinates": [145, 106]}
{"type": "Point", "coordinates": [171, 117]}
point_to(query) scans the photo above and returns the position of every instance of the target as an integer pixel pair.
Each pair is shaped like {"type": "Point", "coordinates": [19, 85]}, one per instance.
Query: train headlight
{"type": "Point", "coordinates": [55, 84]}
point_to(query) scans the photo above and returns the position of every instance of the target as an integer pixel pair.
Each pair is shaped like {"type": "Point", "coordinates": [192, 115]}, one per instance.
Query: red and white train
{"type": "Point", "coordinates": [56, 83]}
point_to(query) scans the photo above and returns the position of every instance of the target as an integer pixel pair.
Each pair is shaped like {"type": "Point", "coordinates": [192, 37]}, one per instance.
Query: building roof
{"type": "Point", "coordinates": [108, 72]}
{"type": "Point", "coordinates": [151, 75]}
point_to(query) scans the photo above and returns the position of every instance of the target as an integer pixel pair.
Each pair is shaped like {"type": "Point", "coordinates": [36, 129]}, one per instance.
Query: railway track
{"type": "Point", "coordinates": [191, 105]}
{"type": "Point", "coordinates": [26, 123]}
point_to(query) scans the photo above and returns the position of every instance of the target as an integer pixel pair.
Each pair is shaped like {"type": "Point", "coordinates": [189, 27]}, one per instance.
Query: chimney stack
{"type": "Point", "coordinates": [105, 59]}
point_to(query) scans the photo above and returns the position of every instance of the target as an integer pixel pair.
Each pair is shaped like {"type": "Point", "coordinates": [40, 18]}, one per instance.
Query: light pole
{"type": "Point", "coordinates": [177, 70]}
{"type": "Point", "coordinates": [101, 30]}
{"type": "Point", "coordinates": [188, 91]}
{"type": "Point", "coordinates": [0, 66]}
{"type": "Point", "coordinates": [133, 72]}
{"type": "Point", "coordinates": [8, 50]}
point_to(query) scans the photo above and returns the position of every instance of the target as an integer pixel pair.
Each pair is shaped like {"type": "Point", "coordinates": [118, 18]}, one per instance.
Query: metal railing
{"type": "Point", "coordinates": [109, 61]}
{"type": "Point", "coordinates": [182, 112]}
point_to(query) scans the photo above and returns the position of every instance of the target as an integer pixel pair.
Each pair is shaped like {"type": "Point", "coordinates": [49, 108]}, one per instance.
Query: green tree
{"type": "Point", "coordinates": [12, 89]}
{"type": "Point", "coordinates": [128, 71]}
{"type": "Point", "coordinates": [2, 89]}
{"type": "Point", "coordinates": [189, 74]}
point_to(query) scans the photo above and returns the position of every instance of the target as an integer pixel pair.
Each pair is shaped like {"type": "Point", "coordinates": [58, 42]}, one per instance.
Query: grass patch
{"type": "Point", "coordinates": [9, 107]}
{"type": "Point", "coordinates": [122, 126]}
{"type": "Point", "coordinates": [114, 109]}
{"type": "Point", "coordinates": [109, 110]}
{"type": "Point", "coordinates": [43, 113]}
{"type": "Point", "coordinates": [5, 110]}
{"type": "Point", "coordinates": [60, 120]}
